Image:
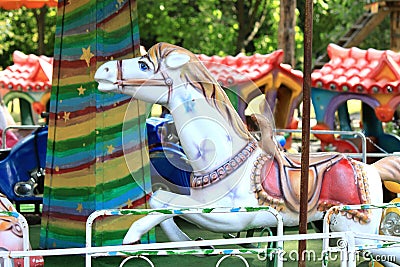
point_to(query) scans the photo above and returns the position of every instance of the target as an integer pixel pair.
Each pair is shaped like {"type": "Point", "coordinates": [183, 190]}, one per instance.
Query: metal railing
{"type": "Point", "coordinates": [16, 127]}
{"type": "Point", "coordinates": [362, 155]}
{"type": "Point", "coordinates": [178, 248]}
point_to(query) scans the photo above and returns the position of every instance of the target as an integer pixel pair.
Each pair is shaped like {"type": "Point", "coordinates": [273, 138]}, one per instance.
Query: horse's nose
{"type": "Point", "coordinates": [107, 71]}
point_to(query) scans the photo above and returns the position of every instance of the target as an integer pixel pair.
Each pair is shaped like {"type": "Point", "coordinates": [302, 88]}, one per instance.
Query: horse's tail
{"type": "Point", "coordinates": [389, 169]}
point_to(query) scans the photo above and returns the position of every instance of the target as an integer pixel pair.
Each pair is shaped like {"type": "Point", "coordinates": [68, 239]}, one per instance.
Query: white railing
{"type": "Point", "coordinates": [178, 248]}
{"type": "Point", "coordinates": [141, 251]}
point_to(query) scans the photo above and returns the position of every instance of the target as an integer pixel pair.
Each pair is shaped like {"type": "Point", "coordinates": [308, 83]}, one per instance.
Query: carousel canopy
{"type": "Point", "coordinates": [359, 71]}
{"type": "Point", "coordinates": [29, 73]}
{"type": "Point", "coordinates": [231, 70]}
{"type": "Point", "coordinates": [15, 4]}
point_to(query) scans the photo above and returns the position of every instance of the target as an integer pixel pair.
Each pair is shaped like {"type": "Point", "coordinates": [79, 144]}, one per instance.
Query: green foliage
{"type": "Point", "coordinates": [210, 27]}
{"type": "Point", "coordinates": [267, 39]}
{"type": "Point", "coordinates": [204, 26]}
{"type": "Point", "coordinates": [392, 127]}
{"type": "Point", "coordinates": [18, 31]}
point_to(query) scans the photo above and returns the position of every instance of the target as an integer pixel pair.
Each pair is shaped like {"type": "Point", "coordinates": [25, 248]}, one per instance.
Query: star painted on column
{"type": "Point", "coordinates": [80, 207]}
{"type": "Point", "coordinates": [110, 149]}
{"type": "Point", "coordinates": [81, 90]}
{"type": "Point", "coordinates": [66, 116]}
{"type": "Point", "coordinates": [129, 203]}
{"type": "Point", "coordinates": [86, 55]}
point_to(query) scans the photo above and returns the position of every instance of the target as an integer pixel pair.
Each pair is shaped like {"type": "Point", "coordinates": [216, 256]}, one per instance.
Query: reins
{"type": "Point", "coordinates": [121, 82]}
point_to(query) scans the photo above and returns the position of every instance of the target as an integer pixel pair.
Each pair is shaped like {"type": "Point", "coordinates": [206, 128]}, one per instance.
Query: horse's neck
{"type": "Point", "coordinates": [206, 136]}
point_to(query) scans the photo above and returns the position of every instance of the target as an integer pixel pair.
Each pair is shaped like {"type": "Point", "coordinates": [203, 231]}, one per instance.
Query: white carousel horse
{"type": "Point", "coordinates": [230, 169]}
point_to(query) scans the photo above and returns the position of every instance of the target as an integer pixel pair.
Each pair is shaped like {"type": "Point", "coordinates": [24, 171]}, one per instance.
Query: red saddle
{"type": "Point", "coordinates": [333, 180]}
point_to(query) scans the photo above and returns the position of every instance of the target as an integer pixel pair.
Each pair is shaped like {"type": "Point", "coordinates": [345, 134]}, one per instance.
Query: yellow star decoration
{"type": "Point", "coordinates": [81, 90]}
{"type": "Point", "coordinates": [86, 55]}
{"type": "Point", "coordinates": [80, 207]}
{"type": "Point", "coordinates": [110, 149]}
{"type": "Point", "coordinates": [129, 203]}
{"type": "Point", "coordinates": [66, 116]}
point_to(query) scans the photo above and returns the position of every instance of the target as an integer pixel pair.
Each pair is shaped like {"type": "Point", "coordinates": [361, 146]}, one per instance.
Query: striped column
{"type": "Point", "coordinates": [91, 133]}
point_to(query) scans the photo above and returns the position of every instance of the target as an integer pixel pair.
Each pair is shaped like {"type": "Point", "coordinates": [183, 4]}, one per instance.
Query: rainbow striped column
{"type": "Point", "coordinates": [86, 165]}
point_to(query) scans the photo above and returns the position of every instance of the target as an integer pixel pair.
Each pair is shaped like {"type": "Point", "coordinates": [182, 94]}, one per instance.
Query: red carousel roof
{"type": "Point", "coordinates": [15, 4]}
{"type": "Point", "coordinates": [29, 73]}
{"type": "Point", "coordinates": [231, 70]}
{"type": "Point", "coordinates": [359, 71]}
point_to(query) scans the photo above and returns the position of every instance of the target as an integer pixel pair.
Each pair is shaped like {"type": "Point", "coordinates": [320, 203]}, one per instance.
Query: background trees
{"type": "Point", "coordinates": [19, 31]}
{"type": "Point", "coordinates": [212, 27]}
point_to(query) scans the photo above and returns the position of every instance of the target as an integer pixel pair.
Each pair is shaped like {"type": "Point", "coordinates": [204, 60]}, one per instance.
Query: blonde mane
{"type": "Point", "coordinates": [197, 75]}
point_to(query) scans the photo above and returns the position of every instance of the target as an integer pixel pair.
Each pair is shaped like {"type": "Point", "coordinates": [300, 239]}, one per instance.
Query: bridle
{"type": "Point", "coordinates": [121, 82]}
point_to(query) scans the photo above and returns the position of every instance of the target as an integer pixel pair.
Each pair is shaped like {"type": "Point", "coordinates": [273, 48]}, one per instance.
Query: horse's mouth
{"type": "Point", "coordinates": [105, 85]}
{"type": "Point", "coordinates": [103, 81]}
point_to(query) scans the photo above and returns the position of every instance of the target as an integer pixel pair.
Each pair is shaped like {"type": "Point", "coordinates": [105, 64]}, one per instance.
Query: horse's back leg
{"type": "Point", "coordinates": [142, 226]}
{"type": "Point", "coordinates": [173, 232]}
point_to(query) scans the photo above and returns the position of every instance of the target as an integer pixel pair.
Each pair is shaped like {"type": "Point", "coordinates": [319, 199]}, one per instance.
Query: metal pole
{"type": "Point", "coordinates": [305, 140]}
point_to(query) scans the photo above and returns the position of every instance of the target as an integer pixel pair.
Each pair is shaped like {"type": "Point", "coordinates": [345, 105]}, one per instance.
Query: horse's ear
{"type": "Point", "coordinates": [176, 60]}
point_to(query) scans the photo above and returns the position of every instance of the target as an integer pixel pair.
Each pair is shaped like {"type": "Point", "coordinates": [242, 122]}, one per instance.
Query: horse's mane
{"type": "Point", "coordinates": [197, 75]}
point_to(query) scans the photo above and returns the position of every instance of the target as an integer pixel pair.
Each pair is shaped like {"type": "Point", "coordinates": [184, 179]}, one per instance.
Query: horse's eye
{"type": "Point", "coordinates": [143, 66]}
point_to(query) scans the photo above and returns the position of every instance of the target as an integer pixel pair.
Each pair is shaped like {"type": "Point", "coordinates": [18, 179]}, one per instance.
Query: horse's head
{"type": "Point", "coordinates": [168, 75]}
{"type": "Point", "coordinates": [150, 77]}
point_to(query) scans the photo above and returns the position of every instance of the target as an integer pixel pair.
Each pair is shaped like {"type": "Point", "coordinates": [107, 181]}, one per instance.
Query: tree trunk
{"type": "Point", "coordinates": [242, 26]}
{"type": "Point", "coordinates": [40, 16]}
{"type": "Point", "coordinates": [251, 16]}
{"type": "Point", "coordinates": [286, 33]}
{"type": "Point", "coordinates": [395, 27]}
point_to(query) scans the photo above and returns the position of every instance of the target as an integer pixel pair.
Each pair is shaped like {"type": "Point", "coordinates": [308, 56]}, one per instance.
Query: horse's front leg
{"type": "Point", "coordinates": [166, 221]}
{"type": "Point", "coordinates": [216, 222]}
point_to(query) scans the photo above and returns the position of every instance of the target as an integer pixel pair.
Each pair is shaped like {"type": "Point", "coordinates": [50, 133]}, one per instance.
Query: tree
{"type": "Point", "coordinates": [212, 27]}
{"type": "Point", "coordinates": [19, 31]}
{"type": "Point", "coordinates": [286, 32]}
{"type": "Point", "coordinates": [203, 26]}
{"type": "Point", "coordinates": [250, 16]}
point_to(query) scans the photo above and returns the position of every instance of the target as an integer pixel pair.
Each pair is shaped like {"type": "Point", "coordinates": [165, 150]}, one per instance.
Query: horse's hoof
{"type": "Point", "coordinates": [134, 243]}
{"type": "Point", "coordinates": [204, 247]}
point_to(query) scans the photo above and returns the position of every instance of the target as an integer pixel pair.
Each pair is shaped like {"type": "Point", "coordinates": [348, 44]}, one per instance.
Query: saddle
{"type": "Point", "coordinates": [333, 179]}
